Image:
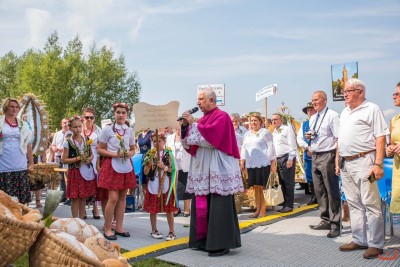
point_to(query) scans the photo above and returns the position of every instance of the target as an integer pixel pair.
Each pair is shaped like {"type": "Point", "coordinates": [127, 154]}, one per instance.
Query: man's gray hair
{"type": "Point", "coordinates": [210, 93]}
{"type": "Point", "coordinates": [235, 115]}
{"type": "Point", "coordinates": [356, 84]}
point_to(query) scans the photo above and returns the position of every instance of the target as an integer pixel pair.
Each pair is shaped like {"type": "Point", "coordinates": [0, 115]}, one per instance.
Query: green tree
{"type": "Point", "coordinates": [8, 75]}
{"type": "Point", "coordinates": [67, 81]}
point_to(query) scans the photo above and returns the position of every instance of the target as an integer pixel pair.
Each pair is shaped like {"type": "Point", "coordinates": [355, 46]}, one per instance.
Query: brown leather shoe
{"type": "Point", "coordinates": [372, 253]}
{"type": "Point", "coordinates": [351, 246]}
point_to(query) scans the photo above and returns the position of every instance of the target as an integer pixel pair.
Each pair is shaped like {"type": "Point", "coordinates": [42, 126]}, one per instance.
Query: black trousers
{"type": "Point", "coordinates": [326, 185]}
{"type": "Point", "coordinates": [286, 179]}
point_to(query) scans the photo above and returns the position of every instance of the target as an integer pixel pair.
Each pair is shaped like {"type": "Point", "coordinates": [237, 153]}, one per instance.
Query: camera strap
{"type": "Point", "coordinates": [316, 121]}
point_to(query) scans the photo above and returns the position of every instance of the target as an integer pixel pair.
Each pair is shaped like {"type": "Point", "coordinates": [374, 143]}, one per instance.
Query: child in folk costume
{"type": "Point", "coordinates": [117, 146]}
{"type": "Point", "coordinates": [81, 179]}
{"type": "Point", "coordinates": [155, 171]}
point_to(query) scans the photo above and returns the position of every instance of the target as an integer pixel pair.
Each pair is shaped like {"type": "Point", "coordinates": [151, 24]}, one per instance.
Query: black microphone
{"type": "Point", "coordinates": [193, 110]}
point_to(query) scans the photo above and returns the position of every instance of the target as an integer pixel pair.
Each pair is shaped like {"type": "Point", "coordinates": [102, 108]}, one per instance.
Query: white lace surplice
{"type": "Point", "coordinates": [211, 171]}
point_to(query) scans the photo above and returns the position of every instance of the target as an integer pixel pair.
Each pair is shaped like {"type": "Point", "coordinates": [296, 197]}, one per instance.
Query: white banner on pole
{"type": "Point", "coordinates": [267, 91]}
{"type": "Point", "coordinates": [219, 90]}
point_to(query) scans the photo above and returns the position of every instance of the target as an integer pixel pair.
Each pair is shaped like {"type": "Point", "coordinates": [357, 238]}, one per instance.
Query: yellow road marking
{"type": "Point", "coordinates": [185, 240]}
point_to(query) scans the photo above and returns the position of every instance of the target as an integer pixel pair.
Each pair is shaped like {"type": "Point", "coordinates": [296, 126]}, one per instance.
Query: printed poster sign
{"type": "Point", "coordinates": [341, 73]}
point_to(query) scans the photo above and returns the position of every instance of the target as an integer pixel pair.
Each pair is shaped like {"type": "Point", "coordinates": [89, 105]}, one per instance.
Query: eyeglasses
{"type": "Point", "coordinates": [349, 92]}
{"type": "Point", "coordinates": [89, 117]}
{"type": "Point", "coordinates": [396, 94]}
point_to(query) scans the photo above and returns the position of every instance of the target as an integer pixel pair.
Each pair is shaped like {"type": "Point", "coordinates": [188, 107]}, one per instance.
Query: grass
{"type": "Point", "coordinates": [23, 261]}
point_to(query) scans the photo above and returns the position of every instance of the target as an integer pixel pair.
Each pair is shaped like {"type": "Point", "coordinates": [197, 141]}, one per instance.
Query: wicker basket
{"type": "Point", "coordinates": [16, 237]}
{"type": "Point", "coordinates": [51, 251]}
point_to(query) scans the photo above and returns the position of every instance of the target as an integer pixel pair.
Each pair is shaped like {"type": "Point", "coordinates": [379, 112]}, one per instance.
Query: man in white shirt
{"type": "Point", "coordinates": [285, 148]}
{"type": "Point", "coordinates": [361, 146]}
{"type": "Point", "coordinates": [324, 128]}
{"type": "Point", "coordinates": [57, 148]}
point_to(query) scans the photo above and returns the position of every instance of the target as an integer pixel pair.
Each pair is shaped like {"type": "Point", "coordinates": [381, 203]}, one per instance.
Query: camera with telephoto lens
{"type": "Point", "coordinates": [313, 134]}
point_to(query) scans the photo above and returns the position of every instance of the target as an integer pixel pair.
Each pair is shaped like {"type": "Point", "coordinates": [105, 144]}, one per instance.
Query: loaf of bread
{"type": "Point", "coordinates": [103, 248]}
{"type": "Point", "coordinates": [76, 227]}
{"type": "Point", "coordinates": [70, 239]}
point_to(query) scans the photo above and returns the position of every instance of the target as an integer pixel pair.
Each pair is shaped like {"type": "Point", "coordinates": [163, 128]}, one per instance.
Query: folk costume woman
{"type": "Point", "coordinates": [81, 179]}
{"type": "Point", "coordinates": [156, 173]}
{"type": "Point", "coordinates": [15, 152]}
{"type": "Point", "coordinates": [117, 146]}
{"type": "Point", "coordinates": [92, 132]}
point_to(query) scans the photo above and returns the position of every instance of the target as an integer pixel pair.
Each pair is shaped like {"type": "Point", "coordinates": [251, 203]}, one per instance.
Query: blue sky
{"type": "Point", "coordinates": [176, 45]}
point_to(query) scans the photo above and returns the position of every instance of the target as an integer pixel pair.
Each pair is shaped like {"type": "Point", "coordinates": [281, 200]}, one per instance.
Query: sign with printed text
{"type": "Point", "coordinates": [155, 117]}
{"type": "Point", "coordinates": [219, 90]}
{"type": "Point", "coordinates": [267, 91]}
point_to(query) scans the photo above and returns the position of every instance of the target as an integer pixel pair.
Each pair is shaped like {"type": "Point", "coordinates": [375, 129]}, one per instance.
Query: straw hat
{"type": "Point", "coordinates": [309, 105]}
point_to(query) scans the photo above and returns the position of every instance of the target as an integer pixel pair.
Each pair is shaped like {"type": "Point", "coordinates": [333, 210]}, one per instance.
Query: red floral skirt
{"type": "Point", "coordinates": [112, 180]}
{"type": "Point", "coordinates": [152, 204]}
{"type": "Point", "coordinates": [102, 194]}
{"type": "Point", "coordinates": [77, 187]}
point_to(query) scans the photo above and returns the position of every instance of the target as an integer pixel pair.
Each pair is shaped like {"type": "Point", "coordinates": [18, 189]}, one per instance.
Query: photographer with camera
{"type": "Point", "coordinates": [322, 136]}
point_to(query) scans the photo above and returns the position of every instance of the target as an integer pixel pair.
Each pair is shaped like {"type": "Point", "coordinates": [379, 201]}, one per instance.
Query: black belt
{"type": "Point", "coordinates": [324, 152]}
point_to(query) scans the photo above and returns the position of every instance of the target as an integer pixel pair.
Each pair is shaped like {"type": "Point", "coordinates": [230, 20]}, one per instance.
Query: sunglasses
{"type": "Point", "coordinates": [89, 117]}
{"type": "Point", "coordinates": [396, 94]}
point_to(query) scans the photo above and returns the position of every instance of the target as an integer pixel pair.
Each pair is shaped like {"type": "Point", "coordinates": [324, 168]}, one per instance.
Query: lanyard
{"type": "Point", "coordinates": [323, 117]}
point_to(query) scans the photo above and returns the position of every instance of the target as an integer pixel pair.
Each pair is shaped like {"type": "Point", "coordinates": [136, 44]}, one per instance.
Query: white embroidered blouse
{"type": "Point", "coordinates": [258, 149]}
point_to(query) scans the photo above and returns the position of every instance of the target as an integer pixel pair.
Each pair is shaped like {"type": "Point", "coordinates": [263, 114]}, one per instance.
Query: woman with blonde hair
{"type": "Point", "coordinates": [259, 158]}
{"type": "Point", "coordinates": [15, 152]}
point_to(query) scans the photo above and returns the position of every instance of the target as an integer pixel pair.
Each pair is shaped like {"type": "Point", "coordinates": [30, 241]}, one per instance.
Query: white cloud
{"type": "Point", "coordinates": [261, 63]}
{"type": "Point", "coordinates": [135, 29]}
{"type": "Point", "coordinates": [111, 45]}
{"type": "Point", "coordinates": [38, 24]}
{"type": "Point", "coordinates": [371, 11]}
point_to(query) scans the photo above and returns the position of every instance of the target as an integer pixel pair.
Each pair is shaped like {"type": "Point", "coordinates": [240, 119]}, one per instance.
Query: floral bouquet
{"type": "Point", "coordinates": [122, 148]}
{"type": "Point", "coordinates": [150, 156]}
{"type": "Point", "coordinates": [86, 152]}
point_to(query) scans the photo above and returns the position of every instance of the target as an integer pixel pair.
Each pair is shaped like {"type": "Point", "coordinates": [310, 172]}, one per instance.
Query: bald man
{"type": "Point", "coordinates": [323, 135]}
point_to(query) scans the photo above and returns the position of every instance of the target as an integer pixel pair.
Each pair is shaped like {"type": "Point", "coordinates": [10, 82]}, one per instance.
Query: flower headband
{"type": "Point", "coordinates": [121, 105]}
{"type": "Point", "coordinates": [162, 136]}
{"type": "Point", "coordinates": [74, 118]}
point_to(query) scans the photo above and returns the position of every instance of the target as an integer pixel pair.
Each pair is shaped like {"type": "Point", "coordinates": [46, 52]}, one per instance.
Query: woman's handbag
{"type": "Point", "coordinates": [273, 193]}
